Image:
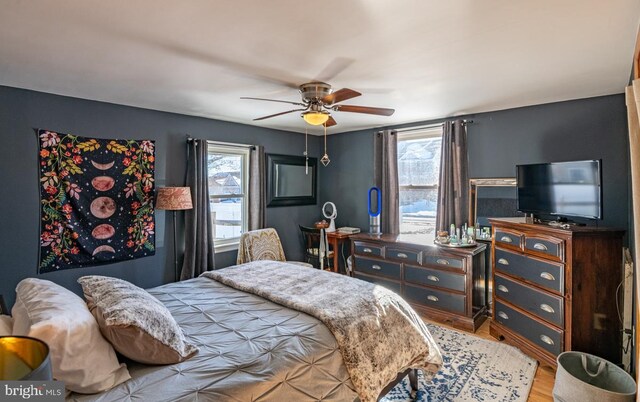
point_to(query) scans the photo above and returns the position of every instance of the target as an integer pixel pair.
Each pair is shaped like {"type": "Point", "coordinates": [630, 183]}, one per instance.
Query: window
{"type": "Point", "coordinates": [418, 176]}
{"type": "Point", "coordinates": [228, 185]}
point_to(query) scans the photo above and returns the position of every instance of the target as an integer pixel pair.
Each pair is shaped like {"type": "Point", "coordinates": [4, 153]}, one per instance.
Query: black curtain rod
{"type": "Point", "coordinates": [414, 128]}
{"type": "Point", "coordinates": [250, 146]}
{"type": "Point", "coordinates": [423, 127]}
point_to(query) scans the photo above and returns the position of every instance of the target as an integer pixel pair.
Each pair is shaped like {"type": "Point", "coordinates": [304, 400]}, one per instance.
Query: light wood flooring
{"type": "Point", "coordinates": [542, 388]}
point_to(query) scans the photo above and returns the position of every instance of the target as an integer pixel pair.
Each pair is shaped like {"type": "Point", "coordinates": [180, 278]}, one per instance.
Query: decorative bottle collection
{"type": "Point", "coordinates": [457, 236]}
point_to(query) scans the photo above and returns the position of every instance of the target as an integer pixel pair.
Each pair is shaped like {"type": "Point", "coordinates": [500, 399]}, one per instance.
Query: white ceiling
{"type": "Point", "coordinates": [425, 58]}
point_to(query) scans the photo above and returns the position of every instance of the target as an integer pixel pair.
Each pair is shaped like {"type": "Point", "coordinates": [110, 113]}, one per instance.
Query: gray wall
{"type": "Point", "coordinates": [594, 128]}
{"type": "Point", "coordinates": [349, 176]}
{"type": "Point", "coordinates": [22, 110]}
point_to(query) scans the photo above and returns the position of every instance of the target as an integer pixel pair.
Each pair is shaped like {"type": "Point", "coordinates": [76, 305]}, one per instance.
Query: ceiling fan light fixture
{"type": "Point", "coordinates": [315, 118]}
{"type": "Point", "coordinates": [318, 101]}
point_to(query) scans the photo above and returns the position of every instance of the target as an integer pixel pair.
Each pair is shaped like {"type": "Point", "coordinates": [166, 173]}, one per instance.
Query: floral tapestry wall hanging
{"type": "Point", "coordinates": [96, 200]}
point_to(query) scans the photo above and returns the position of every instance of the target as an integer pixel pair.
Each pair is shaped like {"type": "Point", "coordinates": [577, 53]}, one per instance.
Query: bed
{"type": "Point", "coordinates": [250, 349]}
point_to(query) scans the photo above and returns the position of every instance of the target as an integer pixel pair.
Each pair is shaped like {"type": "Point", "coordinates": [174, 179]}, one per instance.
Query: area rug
{"type": "Point", "coordinates": [474, 369]}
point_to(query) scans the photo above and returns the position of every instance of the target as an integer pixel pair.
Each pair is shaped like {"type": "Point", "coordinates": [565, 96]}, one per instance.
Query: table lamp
{"type": "Point", "coordinates": [23, 358]}
{"type": "Point", "coordinates": [174, 199]}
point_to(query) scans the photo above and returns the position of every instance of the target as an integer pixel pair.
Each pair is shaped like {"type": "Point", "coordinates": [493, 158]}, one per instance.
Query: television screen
{"type": "Point", "coordinates": [563, 188]}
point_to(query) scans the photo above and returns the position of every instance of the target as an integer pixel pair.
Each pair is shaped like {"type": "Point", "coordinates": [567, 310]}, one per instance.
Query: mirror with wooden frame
{"type": "Point", "coordinates": [492, 198]}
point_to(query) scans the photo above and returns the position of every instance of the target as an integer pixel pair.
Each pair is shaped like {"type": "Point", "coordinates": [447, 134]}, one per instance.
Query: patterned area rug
{"type": "Point", "coordinates": [474, 369]}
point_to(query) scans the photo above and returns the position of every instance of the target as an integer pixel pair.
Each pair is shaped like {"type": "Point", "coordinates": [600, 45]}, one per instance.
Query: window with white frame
{"type": "Point", "coordinates": [228, 166]}
{"type": "Point", "coordinates": [418, 178]}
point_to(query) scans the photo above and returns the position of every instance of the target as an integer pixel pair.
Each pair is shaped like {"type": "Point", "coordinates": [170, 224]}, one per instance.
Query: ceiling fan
{"type": "Point", "coordinates": [318, 101]}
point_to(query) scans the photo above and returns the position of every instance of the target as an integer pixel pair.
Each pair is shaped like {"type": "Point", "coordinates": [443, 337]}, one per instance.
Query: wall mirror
{"type": "Point", "coordinates": [290, 181]}
{"type": "Point", "coordinates": [492, 198]}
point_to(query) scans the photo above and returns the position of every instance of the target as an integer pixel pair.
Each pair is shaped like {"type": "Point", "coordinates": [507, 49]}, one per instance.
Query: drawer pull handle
{"type": "Point", "coordinates": [433, 278]}
{"type": "Point", "coordinates": [546, 340]}
{"type": "Point", "coordinates": [376, 267]}
{"type": "Point", "coordinates": [547, 276]}
{"type": "Point", "coordinates": [547, 308]}
{"type": "Point", "coordinates": [540, 246]}
{"type": "Point", "coordinates": [366, 250]}
{"type": "Point", "coordinates": [503, 261]}
{"type": "Point", "coordinates": [503, 315]}
{"type": "Point", "coordinates": [503, 289]}
{"type": "Point", "coordinates": [506, 239]}
{"type": "Point", "coordinates": [442, 261]}
{"type": "Point", "coordinates": [432, 298]}
{"type": "Point", "coordinates": [402, 255]}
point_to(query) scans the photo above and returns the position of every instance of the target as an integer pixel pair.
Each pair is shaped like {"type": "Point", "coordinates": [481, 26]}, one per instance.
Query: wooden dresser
{"type": "Point", "coordinates": [555, 289]}
{"type": "Point", "coordinates": [443, 284]}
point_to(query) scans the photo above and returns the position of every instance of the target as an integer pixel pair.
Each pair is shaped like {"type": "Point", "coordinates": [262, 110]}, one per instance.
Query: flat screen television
{"type": "Point", "coordinates": [571, 189]}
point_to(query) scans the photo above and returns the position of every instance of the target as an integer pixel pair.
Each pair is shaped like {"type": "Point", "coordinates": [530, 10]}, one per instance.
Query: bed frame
{"type": "Point", "coordinates": [413, 380]}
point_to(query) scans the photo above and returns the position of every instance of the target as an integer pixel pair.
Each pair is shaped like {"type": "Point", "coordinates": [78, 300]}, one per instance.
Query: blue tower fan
{"type": "Point", "coordinates": [374, 216]}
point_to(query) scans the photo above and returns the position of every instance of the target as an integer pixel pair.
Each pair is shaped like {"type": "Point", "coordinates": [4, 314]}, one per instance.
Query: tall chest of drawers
{"type": "Point", "coordinates": [555, 289]}
{"type": "Point", "coordinates": [445, 285]}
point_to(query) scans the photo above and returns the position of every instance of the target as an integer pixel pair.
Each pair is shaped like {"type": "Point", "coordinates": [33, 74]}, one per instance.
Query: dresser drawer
{"type": "Point", "coordinates": [510, 239]}
{"type": "Point", "coordinates": [403, 255]}
{"type": "Point", "coordinates": [544, 305]}
{"type": "Point", "coordinates": [368, 249]}
{"type": "Point", "coordinates": [434, 277]}
{"type": "Point", "coordinates": [548, 275]}
{"type": "Point", "coordinates": [393, 286]}
{"type": "Point", "coordinates": [442, 261]}
{"type": "Point", "coordinates": [438, 299]}
{"type": "Point", "coordinates": [545, 246]}
{"type": "Point", "coordinates": [545, 337]}
{"type": "Point", "coordinates": [377, 267]}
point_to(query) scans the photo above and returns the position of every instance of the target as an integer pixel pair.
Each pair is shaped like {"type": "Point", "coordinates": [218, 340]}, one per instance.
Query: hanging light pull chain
{"type": "Point", "coordinates": [325, 158]}
{"type": "Point", "coordinates": [306, 153]}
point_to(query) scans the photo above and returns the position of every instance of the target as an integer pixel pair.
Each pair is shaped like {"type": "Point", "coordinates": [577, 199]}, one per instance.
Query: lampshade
{"type": "Point", "coordinates": [24, 358]}
{"type": "Point", "coordinates": [315, 118]}
{"type": "Point", "coordinates": [174, 198]}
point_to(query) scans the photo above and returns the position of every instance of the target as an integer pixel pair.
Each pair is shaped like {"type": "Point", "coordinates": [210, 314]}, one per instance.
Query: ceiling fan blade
{"type": "Point", "coordinates": [364, 109]}
{"type": "Point", "coordinates": [274, 100]}
{"type": "Point", "coordinates": [340, 95]}
{"type": "Point", "coordinates": [330, 122]}
{"type": "Point", "coordinates": [278, 114]}
{"type": "Point", "coordinates": [335, 67]}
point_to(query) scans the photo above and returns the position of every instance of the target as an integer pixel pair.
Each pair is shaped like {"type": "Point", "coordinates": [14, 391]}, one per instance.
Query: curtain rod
{"type": "Point", "coordinates": [427, 126]}
{"type": "Point", "coordinates": [189, 139]}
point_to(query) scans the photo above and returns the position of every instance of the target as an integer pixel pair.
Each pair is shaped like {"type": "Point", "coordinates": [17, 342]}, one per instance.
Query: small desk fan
{"type": "Point", "coordinates": [330, 215]}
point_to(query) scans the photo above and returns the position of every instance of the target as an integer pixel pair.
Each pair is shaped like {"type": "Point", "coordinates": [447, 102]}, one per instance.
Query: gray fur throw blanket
{"type": "Point", "coordinates": [378, 333]}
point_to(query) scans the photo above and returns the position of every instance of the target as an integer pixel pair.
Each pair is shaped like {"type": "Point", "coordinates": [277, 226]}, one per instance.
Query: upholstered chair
{"type": "Point", "coordinates": [262, 244]}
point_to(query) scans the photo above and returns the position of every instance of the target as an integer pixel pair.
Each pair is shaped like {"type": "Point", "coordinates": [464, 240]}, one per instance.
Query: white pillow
{"type": "Point", "coordinates": [6, 325]}
{"type": "Point", "coordinates": [80, 356]}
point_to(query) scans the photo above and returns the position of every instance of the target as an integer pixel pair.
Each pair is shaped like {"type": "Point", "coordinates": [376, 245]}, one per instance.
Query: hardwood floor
{"type": "Point", "coordinates": [542, 388]}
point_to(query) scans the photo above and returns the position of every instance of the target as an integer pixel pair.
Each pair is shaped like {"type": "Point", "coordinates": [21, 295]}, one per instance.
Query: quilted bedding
{"type": "Point", "coordinates": [251, 349]}
{"type": "Point", "coordinates": [378, 333]}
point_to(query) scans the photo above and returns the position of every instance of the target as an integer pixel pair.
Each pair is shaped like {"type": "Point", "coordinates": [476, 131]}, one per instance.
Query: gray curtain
{"type": "Point", "coordinates": [453, 192]}
{"type": "Point", "coordinates": [198, 254]}
{"type": "Point", "coordinates": [386, 178]}
{"type": "Point", "coordinates": [257, 194]}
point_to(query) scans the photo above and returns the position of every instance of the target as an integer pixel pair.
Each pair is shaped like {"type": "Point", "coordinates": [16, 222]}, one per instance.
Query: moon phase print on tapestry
{"type": "Point", "coordinates": [96, 200]}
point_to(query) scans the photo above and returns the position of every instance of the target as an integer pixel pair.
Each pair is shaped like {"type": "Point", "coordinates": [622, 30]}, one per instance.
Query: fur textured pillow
{"type": "Point", "coordinates": [137, 324]}
{"type": "Point", "coordinates": [6, 325]}
{"type": "Point", "coordinates": [80, 356]}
